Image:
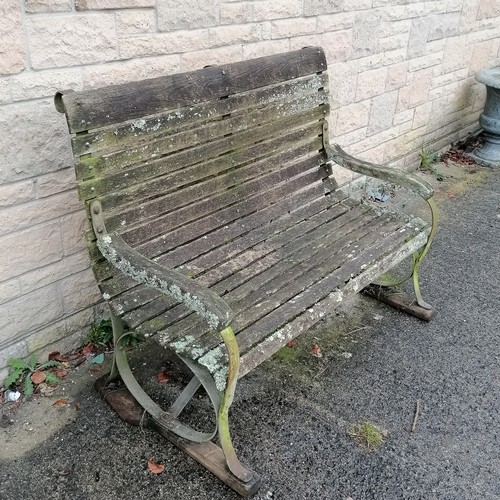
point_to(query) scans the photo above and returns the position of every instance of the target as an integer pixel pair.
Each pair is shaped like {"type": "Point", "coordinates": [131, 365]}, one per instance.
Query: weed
{"type": "Point", "coordinates": [101, 335]}
{"type": "Point", "coordinates": [29, 374]}
{"type": "Point", "coordinates": [427, 161]}
{"type": "Point", "coordinates": [369, 435]}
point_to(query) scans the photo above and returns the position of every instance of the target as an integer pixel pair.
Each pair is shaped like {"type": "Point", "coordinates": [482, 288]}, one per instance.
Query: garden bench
{"type": "Point", "coordinates": [219, 228]}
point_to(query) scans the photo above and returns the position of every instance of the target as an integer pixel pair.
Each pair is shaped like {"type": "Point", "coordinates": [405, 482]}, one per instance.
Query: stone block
{"type": "Point", "coordinates": [73, 229]}
{"type": "Point", "coordinates": [30, 312]}
{"type": "Point", "coordinates": [443, 25]}
{"type": "Point", "coordinates": [34, 6]}
{"type": "Point", "coordinates": [40, 246]}
{"type": "Point", "coordinates": [54, 183]}
{"type": "Point", "coordinates": [334, 22]}
{"type": "Point", "coordinates": [288, 28]}
{"type": "Point", "coordinates": [64, 344]}
{"type": "Point", "coordinates": [132, 22]}
{"type": "Point", "coordinates": [351, 117]}
{"type": "Point", "coordinates": [222, 55]}
{"type": "Point", "coordinates": [80, 291]}
{"type": "Point", "coordinates": [343, 77]}
{"type": "Point", "coordinates": [129, 71]}
{"type": "Point", "coordinates": [164, 43]}
{"type": "Point", "coordinates": [371, 83]}
{"type": "Point", "coordinates": [480, 57]}
{"type": "Point", "coordinates": [315, 7]}
{"type": "Point", "coordinates": [265, 48]}
{"type": "Point", "coordinates": [34, 140]}
{"type": "Point", "coordinates": [9, 290]}
{"type": "Point", "coordinates": [268, 10]}
{"type": "Point", "coordinates": [14, 194]}
{"type": "Point", "coordinates": [365, 38]}
{"type": "Point", "coordinates": [488, 9]}
{"type": "Point", "coordinates": [11, 38]}
{"type": "Point", "coordinates": [71, 40]}
{"type": "Point", "coordinates": [416, 93]}
{"type": "Point", "coordinates": [187, 15]}
{"type": "Point", "coordinates": [382, 112]}
{"type": "Point", "coordinates": [54, 272]}
{"type": "Point", "coordinates": [456, 54]}
{"type": "Point", "coordinates": [396, 76]}
{"type": "Point", "coordinates": [236, 13]}
{"type": "Point", "coordinates": [417, 41]}
{"type": "Point", "coordinates": [245, 33]}
{"type": "Point", "coordinates": [47, 336]}
{"type": "Point", "coordinates": [337, 45]}
{"type": "Point", "coordinates": [34, 85]}
{"type": "Point", "coordinates": [17, 350]}
{"type": "Point", "coordinates": [5, 93]}
{"type": "Point", "coordinates": [403, 117]}
{"type": "Point", "coordinates": [112, 4]}
{"type": "Point", "coordinates": [38, 211]}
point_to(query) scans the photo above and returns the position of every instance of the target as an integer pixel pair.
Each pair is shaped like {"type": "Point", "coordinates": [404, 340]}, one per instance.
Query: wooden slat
{"type": "Point", "coordinates": [310, 316]}
{"type": "Point", "coordinates": [163, 214]}
{"type": "Point", "coordinates": [282, 283]}
{"type": "Point", "coordinates": [271, 237]}
{"type": "Point", "coordinates": [114, 104]}
{"type": "Point", "coordinates": [135, 174]}
{"type": "Point", "coordinates": [119, 137]}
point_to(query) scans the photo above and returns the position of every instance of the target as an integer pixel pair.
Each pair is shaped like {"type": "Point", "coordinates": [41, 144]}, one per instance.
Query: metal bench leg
{"type": "Point", "coordinates": [380, 289]}
{"type": "Point", "coordinates": [223, 416]}
{"type": "Point", "coordinates": [420, 255]}
{"type": "Point", "coordinates": [196, 444]}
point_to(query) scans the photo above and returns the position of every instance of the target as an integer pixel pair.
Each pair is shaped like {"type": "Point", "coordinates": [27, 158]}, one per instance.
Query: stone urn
{"type": "Point", "coordinates": [489, 153]}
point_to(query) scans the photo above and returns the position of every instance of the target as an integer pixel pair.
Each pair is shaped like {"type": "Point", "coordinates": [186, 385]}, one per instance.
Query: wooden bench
{"type": "Point", "coordinates": [214, 211]}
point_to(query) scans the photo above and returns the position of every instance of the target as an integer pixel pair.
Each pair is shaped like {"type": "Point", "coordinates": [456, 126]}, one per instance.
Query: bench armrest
{"type": "Point", "coordinates": [410, 181]}
{"type": "Point", "coordinates": [196, 297]}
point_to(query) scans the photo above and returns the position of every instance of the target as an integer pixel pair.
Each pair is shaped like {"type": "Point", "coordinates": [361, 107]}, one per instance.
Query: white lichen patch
{"type": "Point", "coordinates": [216, 363]}
{"type": "Point", "coordinates": [106, 296]}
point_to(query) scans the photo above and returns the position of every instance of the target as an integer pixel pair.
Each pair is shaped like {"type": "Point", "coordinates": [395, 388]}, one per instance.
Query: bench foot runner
{"type": "Point", "coordinates": [135, 407]}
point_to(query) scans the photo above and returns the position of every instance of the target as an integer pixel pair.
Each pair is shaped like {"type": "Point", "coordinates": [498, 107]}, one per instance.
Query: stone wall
{"type": "Point", "coordinates": [401, 75]}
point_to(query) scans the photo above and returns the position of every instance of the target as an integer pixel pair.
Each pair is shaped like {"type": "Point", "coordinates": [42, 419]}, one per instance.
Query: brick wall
{"type": "Point", "coordinates": [401, 76]}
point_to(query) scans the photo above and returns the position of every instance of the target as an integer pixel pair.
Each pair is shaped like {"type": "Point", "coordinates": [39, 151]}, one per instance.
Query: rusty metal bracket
{"type": "Point", "coordinates": [97, 218]}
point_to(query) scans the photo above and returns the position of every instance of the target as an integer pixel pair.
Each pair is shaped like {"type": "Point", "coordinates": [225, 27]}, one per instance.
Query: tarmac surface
{"type": "Point", "coordinates": [292, 416]}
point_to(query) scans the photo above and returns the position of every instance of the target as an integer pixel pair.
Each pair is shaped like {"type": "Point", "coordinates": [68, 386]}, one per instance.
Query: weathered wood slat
{"type": "Point", "coordinates": [310, 316]}
{"type": "Point", "coordinates": [114, 104]}
{"type": "Point", "coordinates": [135, 174]}
{"type": "Point", "coordinates": [119, 137]}
{"type": "Point", "coordinates": [269, 238]}
{"type": "Point", "coordinates": [163, 214]}
{"type": "Point", "coordinates": [104, 162]}
{"type": "Point", "coordinates": [290, 281]}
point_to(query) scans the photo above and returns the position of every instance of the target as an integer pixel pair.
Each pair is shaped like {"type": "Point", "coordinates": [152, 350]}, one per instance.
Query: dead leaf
{"type": "Point", "coordinates": [163, 377]}
{"type": "Point", "coordinates": [77, 406]}
{"type": "Point", "coordinates": [316, 351]}
{"type": "Point", "coordinates": [57, 356]}
{"type": "Point", "coordinates": [60, 373]}
{"type": "Point", "coordinates": [60, 402]}
{"type": "Point", "coordinates": [451, 195]}
{"type": "Point", "coordinates": [88, 349]}
{"type": "Point", "coordinates": [292, 343]}
{"type": "Point", "coordinates": [37, 377]}
{"type": "Point", "coordinates": [155, 468]}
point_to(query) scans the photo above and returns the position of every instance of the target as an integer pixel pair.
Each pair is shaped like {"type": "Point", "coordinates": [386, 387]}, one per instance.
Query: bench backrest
{"type": "Point", "coordinates": [174, 159]}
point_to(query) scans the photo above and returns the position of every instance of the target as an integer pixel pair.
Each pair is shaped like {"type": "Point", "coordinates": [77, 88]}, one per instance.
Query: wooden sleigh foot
{"type": "Point", "coordinates": [398, 300]}
{"type": "Point", "coordinates": [205, 453]}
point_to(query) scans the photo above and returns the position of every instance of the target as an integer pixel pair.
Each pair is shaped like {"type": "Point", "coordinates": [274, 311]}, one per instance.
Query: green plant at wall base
{"type": "Point", "coordinates": [22, 372]}
{"type": "Point", "coordinates": [369, 435]}
{"type": "Point", "coordinates": [101, 335]}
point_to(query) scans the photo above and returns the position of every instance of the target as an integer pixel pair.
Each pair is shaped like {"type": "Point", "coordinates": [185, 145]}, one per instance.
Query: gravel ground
{"type": "Point", "coordinates": [292, 415]}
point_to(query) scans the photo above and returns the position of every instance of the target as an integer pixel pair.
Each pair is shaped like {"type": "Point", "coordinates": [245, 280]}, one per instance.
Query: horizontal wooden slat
{"type": "Point", "coordinates": [136, 132]}
{"type": "Point", "coordinates": [135, 175]}
{"type": "Point", "coordinates": [101, 107]}
{"type": "Point", "coordinates": [147, 220]}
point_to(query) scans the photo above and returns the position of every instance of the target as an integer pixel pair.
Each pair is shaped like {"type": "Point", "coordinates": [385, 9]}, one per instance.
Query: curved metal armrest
{"type": "Point", "coordinates": [196, 297]}
{"type": "Point", "coordinates": [410, 181]}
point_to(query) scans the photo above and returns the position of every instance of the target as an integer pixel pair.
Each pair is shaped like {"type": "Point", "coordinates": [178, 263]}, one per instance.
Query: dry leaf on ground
{"type": "Point", "coordinates": [154, 467]}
